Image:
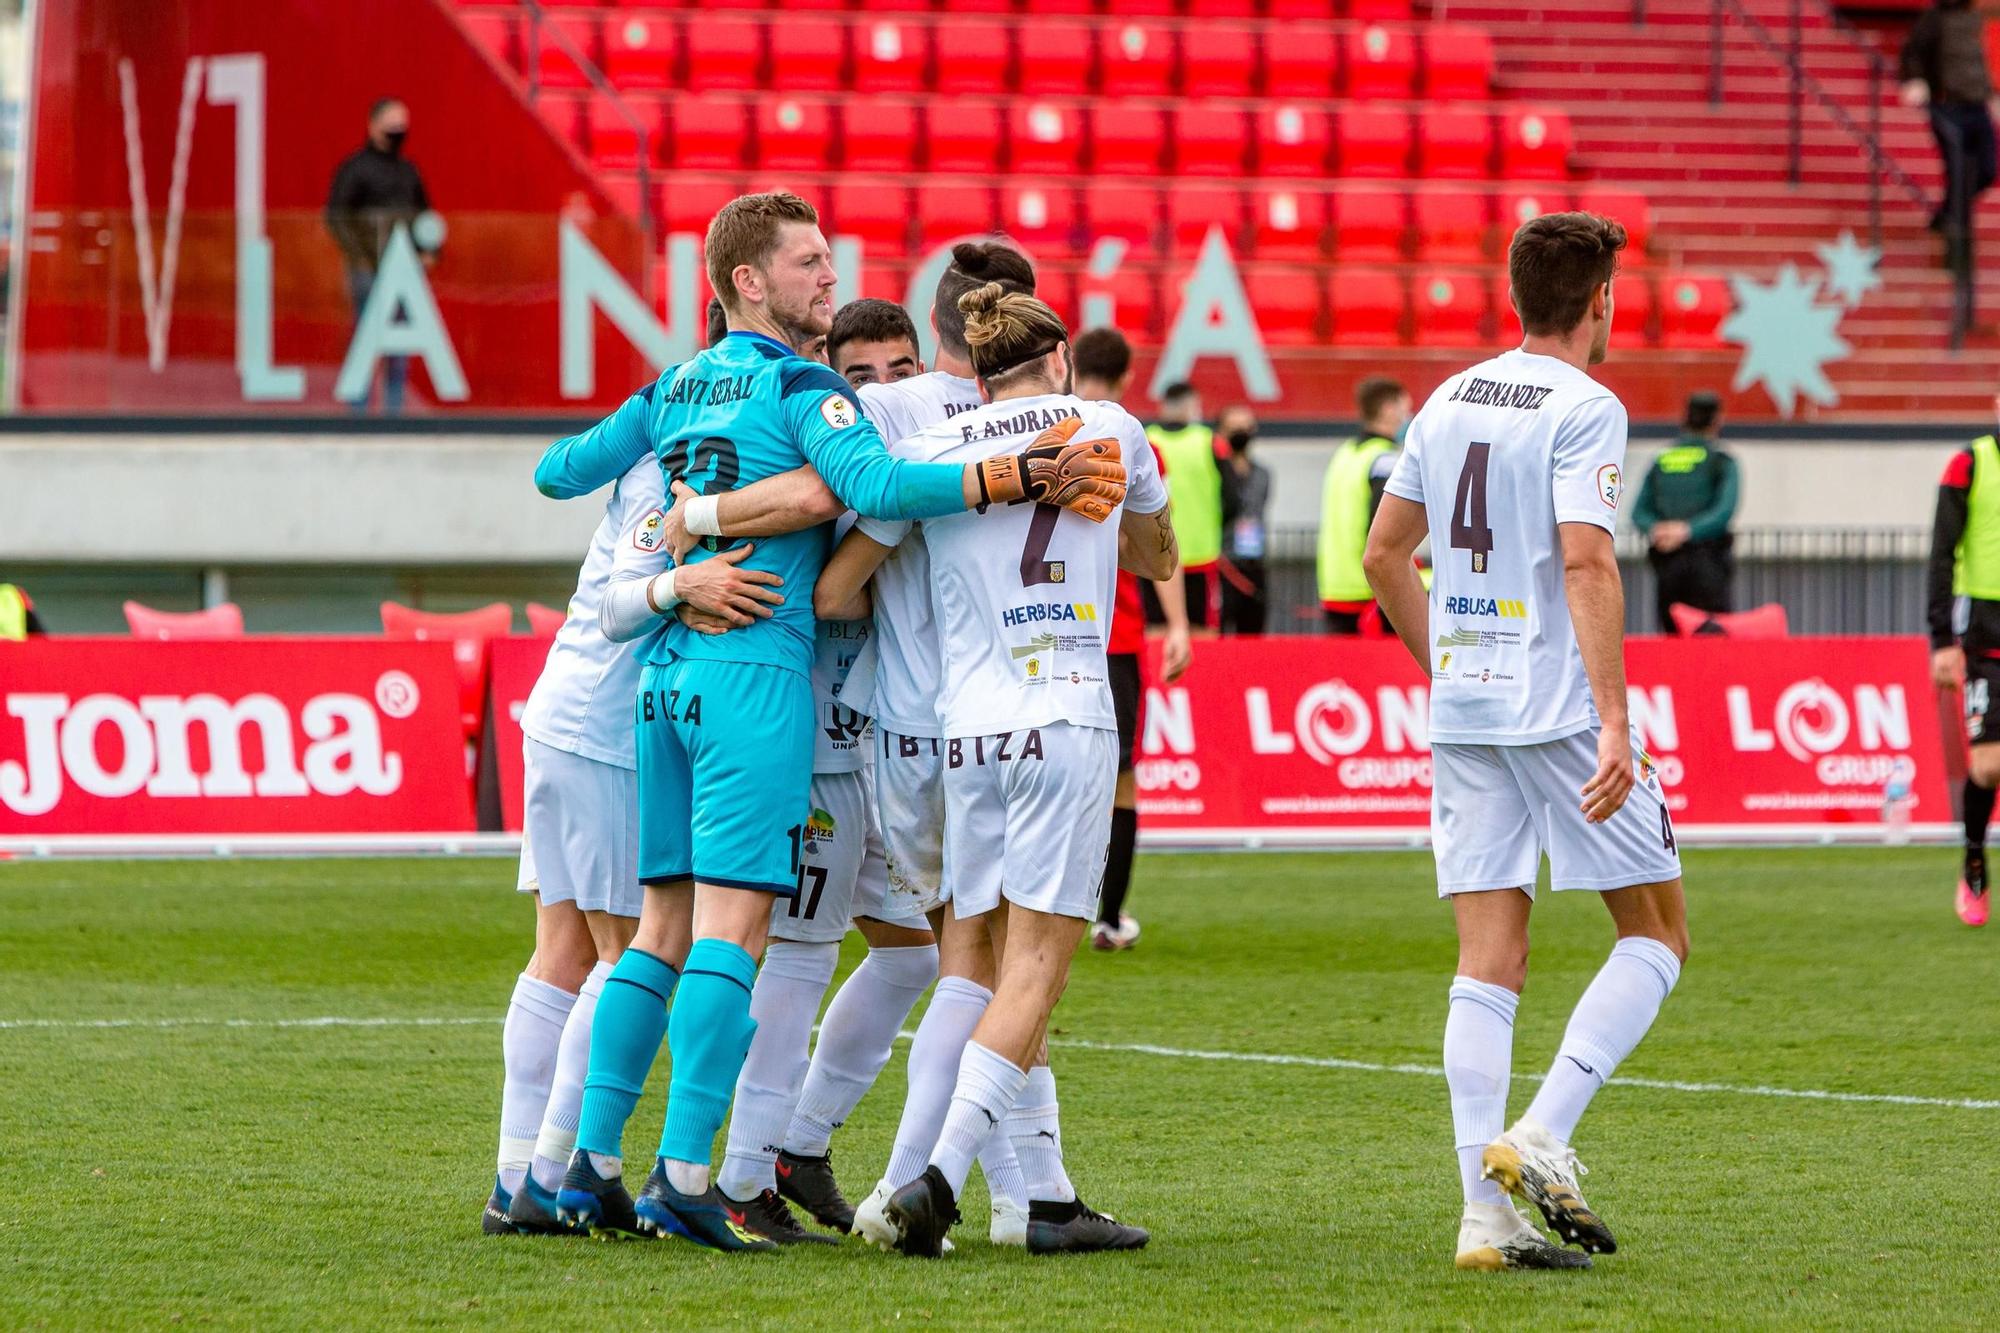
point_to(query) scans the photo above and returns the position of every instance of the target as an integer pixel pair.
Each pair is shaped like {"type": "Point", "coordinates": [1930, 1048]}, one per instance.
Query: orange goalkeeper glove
{"type": "Point", "coordinates": [1084, 476]}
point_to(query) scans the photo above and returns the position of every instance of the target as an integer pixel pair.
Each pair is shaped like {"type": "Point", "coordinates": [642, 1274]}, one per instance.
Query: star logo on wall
{"type": "Point", "coordinates": [1788, 336]}
{"type": "Point", "coordinates": [1850, 268]}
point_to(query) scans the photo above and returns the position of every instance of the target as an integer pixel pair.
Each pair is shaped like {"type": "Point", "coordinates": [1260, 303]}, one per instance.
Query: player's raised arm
{"type": "Point", "coordinates": [579, 464]}
{"type": "Point", "coordinates": [789, 502]}
{"type": "Point", "coordinates": [644, 586]}
{"type": "Point", "coordinates": [842, 590]}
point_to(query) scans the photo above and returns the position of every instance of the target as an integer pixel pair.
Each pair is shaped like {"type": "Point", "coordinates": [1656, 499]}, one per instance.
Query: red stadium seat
{"type": "Point", "coordinates": [891, 57]}
{"type": "Point", "coordinates": [709, 134]}
{"type": "Point", "coordinates": [1141, 8]}
{"type": "Point", "coordinates": [1288, 224]}
{"type": "Point", "coordinates": [1129, 212]}
{"type": "Point", "coordinates": [793, 134]}
{"type": "Point", "coordinates": [1209, 140]}
{"type": "Point", "coordinates": [1367, 10]}
{"type": "Point", "coordinates": [554, 66]}
{"type": "Point", "coordinates": [497, 34]}
{"type": "Point", "coordinates": [221, 621]}
{"type": "Point", "coordinates": [1056, 288]}
{"type": "Point", "coordinates": [964, 134]}
{"type": "Point", "coordinates": [808, 54]}
{"type": "Point", "coordinates": [1625, 206]}
{"type": "Point", "coordinates": [1366, 306]}
{"type": "Point", "coordinates": [1041, 217]}
{"type": "Point", "coordinates": [974, 57]}
{"type": "Point", "coordinates": [1044, 138]}
{"type": "Point", "coordinates": [1287, 304]}
{"type": "Point", "coordinates": [1452, 226]}
{"type": "Point", "coordinates": [1518, 205]}
{"type": "Point", "coordinates": [978, 6]}
{"type": "Point", "coordinates": [878, 135]}
{"type": "Point", "coordinates": [1369, 224]}
{"type": "Point", "coordinates": [1768, 621]}
{"type": "Point", "coordinates": [1135, 59]}
{"type": "Point", "coordinates": [1534, 144]}
{"type": "Point", "coordinates": [1300, 9]}
{"type": "Point", "coordinates": [1374, 142]}
{"type": "Point", "coordinates": [639, 52]}
{"type": "Point", "coordinates": [468, 633]}
{"type": "Point", "coordinates": [622, 189]}
{"type": "Point", "coordinates": [1055, 57]}
{"type": "Point", "coordinates": [614, 131]}
{"type": "Point", "coordinates": [1222, 9]}
{"type": "Point", "coordinates": [687, 203]}
{"type": "Point", "coordinates": [876, 213]}
{"type": "Point", "coordinates": [1449, 308]}
{"type": "Point", "coordinates": [1128, 140]}
{"type": "Point", "coordinates": [1219, 61]}
{"type": "Point", "coordinates": [1458, 63]}
{"type": "Point", "coordinates": [545, 621]}
{"type": "Point", "coordinates": [1069, 7]}
{"type": "Point", "coordinates": [1380, 62]}
{"type": "Point", "coordinates": [1454, 143]}
{"type": "Point", "coordinates": [948, 215]}
{"type": "Point", "coordinates": [1300, 63]}
{"type": "Point", "coordinates": [1634, 312]}
{"type": "Point", "coordinates": [1692, 308]}
{"type": "Point", "coordinates": [1296, 141]}
{"type": "Point", "coordinates": [724, 53]}
{"type": "Point", "coordinates": [1192, 210]}
{"type": "Point", "coordinates": [1134, 295]}
{"type": "Point", "coordinates": [904, 6]}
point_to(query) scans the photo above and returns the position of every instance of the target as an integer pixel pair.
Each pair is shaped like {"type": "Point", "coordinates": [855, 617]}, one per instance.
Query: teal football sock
{"type": "Point", "coordinates": [709, 1037]}
{"type": "Point", "coordinates": [624, 1038]}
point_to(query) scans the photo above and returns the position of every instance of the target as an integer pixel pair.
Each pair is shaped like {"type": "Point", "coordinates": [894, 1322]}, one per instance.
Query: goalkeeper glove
{"type": "Point", "coordinates": [1084, 476]}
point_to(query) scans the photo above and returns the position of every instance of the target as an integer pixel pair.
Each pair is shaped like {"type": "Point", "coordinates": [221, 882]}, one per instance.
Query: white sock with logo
{"type": "Point", "coordinates": [558, 1137]}
{"type": "Point", "coordinates": [1610, 1020]}
{"type": "Point", "coordinates": [855, 1040]}
{"type": "Point", "coordinates": [987, 1088]}
{"type": "Point", "coordinates": [784, 1002]}
{"type": "Point", "coordinates": [1035, 1130]}
{"type": "Point", "coordinates": [1478, 1064]}
{"type": "Point", "coordinates": [528, 1043]}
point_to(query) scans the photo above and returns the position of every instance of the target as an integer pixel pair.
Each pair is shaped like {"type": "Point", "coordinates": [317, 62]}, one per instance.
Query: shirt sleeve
{"type": "Point", "coordinates": [824, 418]}
{"type": "Point", "coordinates": [1407, 481]}
{"type": "Point", "coordinates": [1947, 530]}
{"type": "Point", "coordinates": [641, 553]}
{"type": "Point", "coordinates": [1145, 488]}
{"type": "Point", "coordinates": [1589, 458]}
{"type": "Point", "coordinates": [579, 464]}
{"type": "Point", "coordinates": [883, 531]}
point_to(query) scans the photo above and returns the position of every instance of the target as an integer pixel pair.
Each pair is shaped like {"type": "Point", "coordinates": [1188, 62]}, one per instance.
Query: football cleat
{"type": "Point", "coordinates": [1009, 1225]}
{"type": "Point", "coordinates": [706, 1218]}
{"type": "Point", "coordinates": [922, 1211]}
{"type": "Point", "coordinates": [1493, 1236]}
{"type": "Point", "coordinates": [771, 1217]}
{"type": "Point", "coordinates": [533, 1211]}
{"type": "Point", "coordinates": [1530, 1162]}
{"type": "Point", "coordinates": [1127, 933]}
{"type": "Point", "coordinates": [1073, 1228]}
{"type": "Point", "coordinates": [1972, 890]}
{"type": "Point", "coordinates": [494, 1221]}
{"type": "Point", "coordinates": [588, 1204]}
{"type": "Point", "coordinates": [871, 1219]}
{"type": "Point", "coordinates": [809, 1183]}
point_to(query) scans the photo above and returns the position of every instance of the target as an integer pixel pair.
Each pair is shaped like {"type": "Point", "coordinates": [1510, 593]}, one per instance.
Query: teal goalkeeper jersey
{"type": "Point", "coordinates": [746, 409]}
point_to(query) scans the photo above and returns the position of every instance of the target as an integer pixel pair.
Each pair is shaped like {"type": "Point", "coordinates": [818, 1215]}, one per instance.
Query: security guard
{"type": "Point", "coordinates": [1965, 637]}
{"type": "Point", "coordinates": [1684, 509]}
{"type": "Point", "coordinates": [1349, 497]}
{"type": "Point", "coordinates": [17, 615]}
{"type": "Point", "coordinates": [1194, 484]}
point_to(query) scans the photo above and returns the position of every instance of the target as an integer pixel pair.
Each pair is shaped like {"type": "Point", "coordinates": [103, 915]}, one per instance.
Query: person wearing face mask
{"type": "Point", "coordinates": [1246, 492]}
{"type": "Point", "coordinates": [376, 190]}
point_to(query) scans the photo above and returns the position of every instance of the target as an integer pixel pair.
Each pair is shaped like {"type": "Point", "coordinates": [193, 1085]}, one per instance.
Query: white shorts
{"type": "Point", "coordinates": [1496, 808]}
{"type": "Point", "coordinates": [580, 832]}
{"type": "Point", "coordinates": [842, 873]}
{"type": "Point", "coordinates": [1029, 814]}
{"type": "Point", "coordinates": [909, 806]}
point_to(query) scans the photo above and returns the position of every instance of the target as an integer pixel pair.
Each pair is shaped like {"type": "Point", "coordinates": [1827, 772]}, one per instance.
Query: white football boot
{"type": "Point", "coordinates": [873, 1224]}
{"type": "Point", "coordinates": [1534, 1164]}
{"type": "Point", "coordinates": [1492, 1236]}
{"type": "Point", "coordinates": [1010, 1224]}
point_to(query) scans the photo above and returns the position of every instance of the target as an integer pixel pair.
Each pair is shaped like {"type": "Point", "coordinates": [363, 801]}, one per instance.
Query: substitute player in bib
{"type": "Point", "coordinates": [1514, 469]}
{"type": "Point", "coordinates": [1024, 595]}
{"type": "Point", "coordinates": [725, 742]}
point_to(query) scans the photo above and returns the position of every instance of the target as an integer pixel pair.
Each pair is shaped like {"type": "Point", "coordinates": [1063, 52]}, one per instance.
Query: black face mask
{"type": "Point", "coordinates": [393, 141]}
{"type": "Point", "coordinates": [1239, 440]}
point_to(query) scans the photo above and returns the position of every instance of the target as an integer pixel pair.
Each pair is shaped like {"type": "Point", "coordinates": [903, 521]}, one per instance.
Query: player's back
{"type": "Point", "coordinates": [1024, 593]}
{"type": "Point", "coordinates": [1500, 456]}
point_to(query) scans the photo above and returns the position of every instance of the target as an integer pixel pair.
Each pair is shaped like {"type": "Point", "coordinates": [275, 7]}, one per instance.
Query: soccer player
{"type": "Point", "coordinates": [1103, 372]}
{"type": "Point", "coordinates": [873, 342]}
{"type": "Point", "coordinates": [1514, 468]}
{"type": "Point", "coordinates": [1965, 654]}
{"type": "Point", "coordinates": [724, 721]}
{"type": "Point", "coordinates": [1022, 595]}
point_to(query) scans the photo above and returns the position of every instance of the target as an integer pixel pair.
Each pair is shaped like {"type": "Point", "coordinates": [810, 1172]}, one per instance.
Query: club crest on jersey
{"type": "Point", "coordinates": [651, 529]}
{"type": "Point", "coordinates": [839, 413]}
{"type": "Point", "coordinates": [1609, 484]}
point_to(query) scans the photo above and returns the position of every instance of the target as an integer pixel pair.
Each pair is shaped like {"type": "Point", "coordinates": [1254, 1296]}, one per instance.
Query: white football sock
{"type": "Point", "coordinates": [783, 1003]}
{"type": "Point", "coordinates": [1036, 1134]}
{"type": "Point", "coordinates": [947, 1025]}
{"type": "Point", "coordinates": [1611, 1018]}
{"type": "Point", "coordinates": [528, 1043]}
{"type": "Point", "coordinates": [558, 1137]}
{"type": "Point", "coordinates": [1478, 1062]}
{"type": "Point", "coordinates": [1002, 1169]}
{"type": "Point", "coordinates": [855, 1039]}
{"type": "Point", "coordinates": [987, 1088]}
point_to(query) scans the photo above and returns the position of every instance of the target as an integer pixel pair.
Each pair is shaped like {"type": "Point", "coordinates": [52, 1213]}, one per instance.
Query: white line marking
{"type": "Point", "coordinates": [1066, 1043]}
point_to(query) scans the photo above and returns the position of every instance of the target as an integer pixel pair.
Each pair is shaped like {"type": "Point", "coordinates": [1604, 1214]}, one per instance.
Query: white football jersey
{"type": "Point", "coordinates": [1024, 593]}
{"type": "Point", "coordinates": [906, 669]}
{"type": "Point", "coordinates": [843, 670]}
{"type": "Point", "coordinates": [1500, 455]}
{"type": "Point", "coordinates": [582, 701]}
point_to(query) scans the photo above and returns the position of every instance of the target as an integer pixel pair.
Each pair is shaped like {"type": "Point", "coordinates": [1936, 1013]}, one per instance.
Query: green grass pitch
{"type": "Point", "coordinates": [235, 1170]}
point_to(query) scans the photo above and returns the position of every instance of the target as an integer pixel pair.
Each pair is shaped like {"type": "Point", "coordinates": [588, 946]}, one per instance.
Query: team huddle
{"type": "Point", "coordinates": [837, 659]}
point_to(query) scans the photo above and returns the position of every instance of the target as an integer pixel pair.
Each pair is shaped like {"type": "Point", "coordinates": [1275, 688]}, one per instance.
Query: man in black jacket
{"type": "Point", "coordinates": [375, 191]}
{"type": "Point", "coordinates": [1943, 67]}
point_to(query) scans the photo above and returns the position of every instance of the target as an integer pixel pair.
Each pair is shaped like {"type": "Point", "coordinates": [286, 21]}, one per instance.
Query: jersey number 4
{"type": "Point", "coordinates": [1468, 509]}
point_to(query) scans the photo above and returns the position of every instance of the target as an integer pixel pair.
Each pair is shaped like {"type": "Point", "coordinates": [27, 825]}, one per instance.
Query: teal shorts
{"type": "Point", "coordinates": [725, 773]}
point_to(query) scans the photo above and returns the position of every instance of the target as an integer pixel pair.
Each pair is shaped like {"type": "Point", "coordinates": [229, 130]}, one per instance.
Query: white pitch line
{"type": "Point", "coordinates": [1067, 1043]}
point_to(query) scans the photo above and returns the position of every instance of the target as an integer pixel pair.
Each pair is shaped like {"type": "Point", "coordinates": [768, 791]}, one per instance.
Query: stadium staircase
{"type": "Point", "coordinates": [1365, 160]}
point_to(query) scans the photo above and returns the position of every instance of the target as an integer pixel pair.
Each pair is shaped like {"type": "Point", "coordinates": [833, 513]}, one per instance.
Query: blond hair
{"type": "Point", "coordinates": [746, 231]}
{"type": "Point", "coordinates": [1006, 330]}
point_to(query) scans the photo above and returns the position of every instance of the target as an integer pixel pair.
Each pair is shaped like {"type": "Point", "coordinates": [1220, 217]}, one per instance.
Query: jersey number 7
{"type": "Point", "coordinates": [1468, 508]}
{"type": "Point", "coordinates": [1036, 567]}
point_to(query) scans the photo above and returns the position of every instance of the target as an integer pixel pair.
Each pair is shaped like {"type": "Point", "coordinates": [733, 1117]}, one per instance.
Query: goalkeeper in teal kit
{"type": "Point", "coordinates": [725, 720]}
